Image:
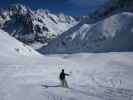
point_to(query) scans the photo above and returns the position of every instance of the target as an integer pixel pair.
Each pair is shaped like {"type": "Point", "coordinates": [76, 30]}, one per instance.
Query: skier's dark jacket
{"type": "Point", "coordinates": [62, 75]}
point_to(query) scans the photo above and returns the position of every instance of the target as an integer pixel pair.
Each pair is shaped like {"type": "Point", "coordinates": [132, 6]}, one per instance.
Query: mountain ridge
{"type": "Point", "coordinates": [108, 35]}
{"type": "Point", "coordinates": [34, 26]}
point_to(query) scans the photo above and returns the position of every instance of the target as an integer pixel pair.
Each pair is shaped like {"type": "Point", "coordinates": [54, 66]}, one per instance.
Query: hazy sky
{"type": "Point", "coordinates": [69, 7]}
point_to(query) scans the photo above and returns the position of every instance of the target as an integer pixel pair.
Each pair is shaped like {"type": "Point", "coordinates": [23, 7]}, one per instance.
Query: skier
{"type": "Point", "coordinates": [62, 78]}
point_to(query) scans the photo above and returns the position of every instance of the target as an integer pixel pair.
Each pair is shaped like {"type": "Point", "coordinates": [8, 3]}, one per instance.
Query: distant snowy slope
{"type": "Point", "coordinates": [114, 33]}
{"type": "Point", "coordinates": [34, 27]}
{"type": "Point", "coordinates": [11, 47]}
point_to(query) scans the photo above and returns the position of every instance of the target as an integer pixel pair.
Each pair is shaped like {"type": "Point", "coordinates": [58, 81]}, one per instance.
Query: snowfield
{"type": "Point", "coordinates": [100, 76]}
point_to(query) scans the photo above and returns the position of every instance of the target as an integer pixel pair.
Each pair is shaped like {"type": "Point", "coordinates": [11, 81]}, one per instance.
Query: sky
{"type": "Point", "coordinates": [68, 7]}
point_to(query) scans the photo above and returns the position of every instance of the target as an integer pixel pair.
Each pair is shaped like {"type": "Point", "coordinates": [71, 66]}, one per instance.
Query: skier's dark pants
{"type": "Point", "coordinates": [64, 83]}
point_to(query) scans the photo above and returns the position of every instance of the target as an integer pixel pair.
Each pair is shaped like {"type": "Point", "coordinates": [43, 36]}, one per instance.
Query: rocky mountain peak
{"type": "Point", "coordinates": [33, 26]}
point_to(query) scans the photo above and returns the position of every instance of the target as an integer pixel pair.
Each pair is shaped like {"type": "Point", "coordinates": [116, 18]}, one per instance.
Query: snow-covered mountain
{"type": "Point", "coordinates": [50, 33]}
{"type": "Point", "coordinates": [36, 27]}
{"type": "Point", "coordinates": [110, 29]}
{"type": "Point", "coordinates": [11, 47]}
{"type": "Point", "coordinates": [112, 34]}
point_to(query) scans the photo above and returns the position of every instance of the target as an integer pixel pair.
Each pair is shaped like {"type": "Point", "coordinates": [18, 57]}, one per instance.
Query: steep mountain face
{"type": "Point", "coordinates": [34, 28]}
{"type": "Point", "coordinates": [112, 34]}
{"type": "Point", "coordinates": [11, 47]}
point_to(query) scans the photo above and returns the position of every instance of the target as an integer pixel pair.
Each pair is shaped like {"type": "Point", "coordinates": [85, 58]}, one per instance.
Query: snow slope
{"type": "Point", "coordinates": [105, 76]}
{"type": "Point", "coordinates": [111, 34]}
{"type": "Point", "coordinates": [11, 47]}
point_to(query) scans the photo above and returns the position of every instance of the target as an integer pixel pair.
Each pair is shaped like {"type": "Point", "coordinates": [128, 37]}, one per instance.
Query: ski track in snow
{"type": "Point", "coordinates": [101, 77]}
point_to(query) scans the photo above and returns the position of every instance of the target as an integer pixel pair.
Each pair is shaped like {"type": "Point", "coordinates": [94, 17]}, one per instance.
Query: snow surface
{"type": "Point", "coordinates": [12, 47]}
{"type": "Point", "coordinates": [103, 76]}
